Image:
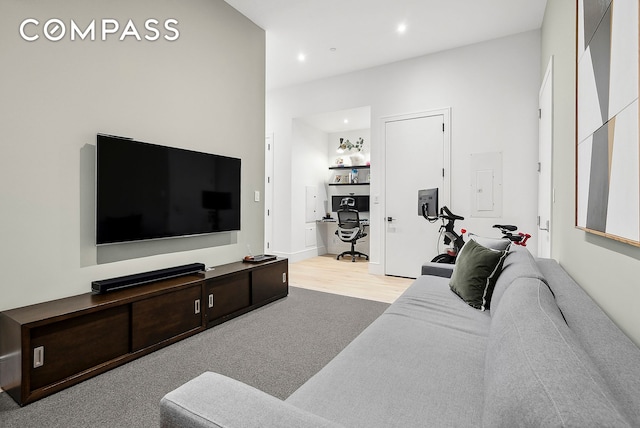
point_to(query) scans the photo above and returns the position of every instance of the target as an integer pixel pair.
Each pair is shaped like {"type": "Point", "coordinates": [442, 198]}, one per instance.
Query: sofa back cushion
{"type": "Point", "coordinates": [518, 264]}
{"type": "Point", "coordinates": [536, 374]}
{"type": "Point", "coordinates": [615, 356]}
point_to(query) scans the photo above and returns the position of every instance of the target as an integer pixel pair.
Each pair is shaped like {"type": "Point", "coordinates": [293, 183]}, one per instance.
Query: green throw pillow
{"type": "Point", "coordinates": [475, 274]}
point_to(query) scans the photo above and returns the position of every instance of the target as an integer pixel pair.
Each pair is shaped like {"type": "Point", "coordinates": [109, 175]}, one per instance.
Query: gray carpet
{"type": "Point", "coordinates": [275, 348]}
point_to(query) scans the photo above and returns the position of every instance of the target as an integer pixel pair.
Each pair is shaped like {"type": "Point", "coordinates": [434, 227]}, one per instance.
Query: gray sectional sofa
{"type": "Point", "coordinates": [544, 355]}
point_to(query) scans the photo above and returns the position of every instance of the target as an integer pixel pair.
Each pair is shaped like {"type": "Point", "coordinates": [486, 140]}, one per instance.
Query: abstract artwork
{"type": "Point", "coordinates": [608, 145]}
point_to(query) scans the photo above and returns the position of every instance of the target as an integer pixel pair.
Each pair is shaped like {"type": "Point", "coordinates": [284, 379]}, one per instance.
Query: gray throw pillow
{"type": "Point", "coordinates": [493, 243]}
{"type": "Point", "coordinates": [475, 274]}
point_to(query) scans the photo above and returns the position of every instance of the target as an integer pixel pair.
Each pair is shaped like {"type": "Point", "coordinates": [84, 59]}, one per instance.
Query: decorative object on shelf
{"type": "Point", "coordinates": [357, 159]}
{"type": "Point", "coordinates": [339, 178]}
{"type": "Point", "coordinates": [353, 176]}
{"type": "Point", "coordinates": [339, 161]}
{"type": "Point", "coordinates": [348, 145]}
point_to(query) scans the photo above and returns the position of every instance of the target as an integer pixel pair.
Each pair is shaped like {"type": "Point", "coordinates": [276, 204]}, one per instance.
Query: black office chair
{"type": "Point", "coordinates": [350, 229]}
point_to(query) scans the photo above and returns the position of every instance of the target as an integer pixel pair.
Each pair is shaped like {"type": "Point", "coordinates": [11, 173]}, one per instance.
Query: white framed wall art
{"type": "Point", "coordinates": [607, 138]}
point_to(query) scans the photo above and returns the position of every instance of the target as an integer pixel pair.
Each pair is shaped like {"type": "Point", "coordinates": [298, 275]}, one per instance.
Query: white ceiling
{"type": "Point", "coordinates": [363, 32]}
{"type": "Point", "coordinates": [340, 121]}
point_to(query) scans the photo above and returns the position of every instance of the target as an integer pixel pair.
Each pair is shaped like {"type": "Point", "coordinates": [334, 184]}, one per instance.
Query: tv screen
{"type": "Point", "coordinates": [146, 191]}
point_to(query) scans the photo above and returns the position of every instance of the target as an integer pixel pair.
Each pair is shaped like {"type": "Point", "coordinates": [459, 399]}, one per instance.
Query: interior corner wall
{"type": "Point", "coordinates": [492, 89]}
{"type": "Point", "coordinates": [606, 269]}
{"type": "Point", "coordinates": [204, 91]}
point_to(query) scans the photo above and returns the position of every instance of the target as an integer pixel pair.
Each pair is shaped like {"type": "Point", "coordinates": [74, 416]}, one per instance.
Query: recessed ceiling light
{"type": "Point", "coordinates": [346, 121]}
{"type": "Point", "coordinates": [332, 49]}
{"type": "Point", "coordinates": [302, 57]}
{"type": "Point", "coordinates": [402, 28]}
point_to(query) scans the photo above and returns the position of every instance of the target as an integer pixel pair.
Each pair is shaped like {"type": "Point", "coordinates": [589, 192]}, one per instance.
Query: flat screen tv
{"type": "Point", "coordinates": [147, 191]}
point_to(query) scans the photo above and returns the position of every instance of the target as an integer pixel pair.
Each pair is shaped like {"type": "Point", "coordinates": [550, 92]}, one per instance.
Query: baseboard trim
{"type": "Point", "coordinates": [302, 255]}
{"type": "Point", "coordinates": [376, 268]}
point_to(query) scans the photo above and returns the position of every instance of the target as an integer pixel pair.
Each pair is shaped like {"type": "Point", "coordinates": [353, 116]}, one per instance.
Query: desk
{"type": "Point", "coordinates": [363, 221]}
{"type": "Point", "coordinates": [333, 244]}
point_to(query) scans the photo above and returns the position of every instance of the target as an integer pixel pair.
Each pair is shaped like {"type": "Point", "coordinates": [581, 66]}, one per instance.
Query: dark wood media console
{"type": "Point", "coordinates": [50, 346]}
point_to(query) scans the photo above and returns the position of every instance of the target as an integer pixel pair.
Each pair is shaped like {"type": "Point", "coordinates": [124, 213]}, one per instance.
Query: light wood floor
{"type": "Point", "coordinates": [325, 273]}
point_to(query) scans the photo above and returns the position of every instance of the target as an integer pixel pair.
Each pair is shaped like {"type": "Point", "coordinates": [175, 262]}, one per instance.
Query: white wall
{"type": "Point", "coordinates": [606, 269]}
{"type": "Point", "coordinates": [309, 169]}
{"type": "Point", "coordinates": [203, 92]}
{"type": "Point", "coordinates": [492, 89]}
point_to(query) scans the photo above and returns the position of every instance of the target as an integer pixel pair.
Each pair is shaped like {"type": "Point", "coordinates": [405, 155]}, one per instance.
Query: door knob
{"type": "Point", "coordinates": [390, 219]}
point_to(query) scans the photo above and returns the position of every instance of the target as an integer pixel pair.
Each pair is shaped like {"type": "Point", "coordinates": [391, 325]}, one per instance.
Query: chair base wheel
{"type": "Point", "coordinates": [353, 255]}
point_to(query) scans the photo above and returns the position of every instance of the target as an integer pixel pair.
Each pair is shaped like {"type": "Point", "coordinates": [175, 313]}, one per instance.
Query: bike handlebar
{"type": "Point", "coordinates": [449, 215]}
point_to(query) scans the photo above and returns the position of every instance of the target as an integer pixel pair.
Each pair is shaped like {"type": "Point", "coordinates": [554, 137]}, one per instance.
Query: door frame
{"type": "Point", "coordinates": [547, 82]}
{"type": "Point", "coordinates": [443, 199]}
{"type": "Point", "coordinates": [268, 192]}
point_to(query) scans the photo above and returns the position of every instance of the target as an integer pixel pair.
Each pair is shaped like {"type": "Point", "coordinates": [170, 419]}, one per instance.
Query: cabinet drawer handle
{"type": "Point", "coordinates": [38, 357]}
{"type": "Point", "coordinates": [197, 308]}
{"type": "Point", "coordinates": [211, 300]}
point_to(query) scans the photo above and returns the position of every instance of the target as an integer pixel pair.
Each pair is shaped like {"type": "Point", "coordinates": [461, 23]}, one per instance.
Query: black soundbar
{"type": "Point", "coordinates": [112, 284]}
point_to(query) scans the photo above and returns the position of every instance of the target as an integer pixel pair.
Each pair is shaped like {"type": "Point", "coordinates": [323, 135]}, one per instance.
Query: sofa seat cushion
{"type": "Point", "coordinates": [394, 373]}
{"type": "Point", "coordinates": [536, 372]}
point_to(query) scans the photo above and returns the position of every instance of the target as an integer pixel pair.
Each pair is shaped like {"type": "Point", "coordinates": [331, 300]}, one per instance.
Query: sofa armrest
{"type": "Point", "coordinates": [212, 400]}
{"type": "Point", "coordinates": [444, 270]}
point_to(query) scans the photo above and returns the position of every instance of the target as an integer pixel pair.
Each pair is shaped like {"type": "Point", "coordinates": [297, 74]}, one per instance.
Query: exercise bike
{"type": "Point", "coordinates": [507, 233]}
{"type": "Point", "coordinates": [450, 236]}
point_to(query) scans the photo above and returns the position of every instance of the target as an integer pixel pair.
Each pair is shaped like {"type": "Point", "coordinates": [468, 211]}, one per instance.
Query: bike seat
{"type": "Point", "coordinates": [509, 227]}
{"type": "Point", "coordinates": [449, 215]}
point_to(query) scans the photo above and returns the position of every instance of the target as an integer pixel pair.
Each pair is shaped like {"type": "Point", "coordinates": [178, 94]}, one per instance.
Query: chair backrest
{"type": "Point", "coordinates": [348, 225]}
{"type": "Point", "coordinates": [348, 219]}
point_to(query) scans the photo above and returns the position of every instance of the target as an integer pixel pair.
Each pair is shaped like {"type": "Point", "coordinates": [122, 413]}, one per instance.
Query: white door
{"type": "Point", "coordinates": [545, 146]}
{"type": "Point", "coordinates": [414, 160]}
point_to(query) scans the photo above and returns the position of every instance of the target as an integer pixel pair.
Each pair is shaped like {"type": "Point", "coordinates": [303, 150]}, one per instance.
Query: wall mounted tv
{"type": "Point", "coordinates": [146, 191]}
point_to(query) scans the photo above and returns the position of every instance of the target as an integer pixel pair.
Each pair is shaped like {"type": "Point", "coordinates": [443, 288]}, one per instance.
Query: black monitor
{"type": "Point", "coordinates": [428, 197]}
{"type": "Point", "coordinates": [362, 202]}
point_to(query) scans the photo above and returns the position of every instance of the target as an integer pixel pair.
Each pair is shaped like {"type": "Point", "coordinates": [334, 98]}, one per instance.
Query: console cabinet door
{"type": "Point", "coordinates": [65, 348]}
{"type": "Point", "coordinates": [163, 317]}
{"type": "Point", "coordinates": [227, 295]}
{"type": "Point", "coordinates": [269, 282]}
